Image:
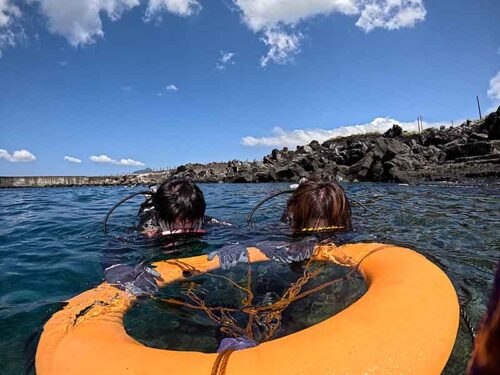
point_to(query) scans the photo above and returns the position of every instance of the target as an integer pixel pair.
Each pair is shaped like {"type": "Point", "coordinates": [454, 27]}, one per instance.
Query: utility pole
{"type": "Point", "coordinates": [420, 124]}
{"type": "Point", "coordinates": [479, 107]}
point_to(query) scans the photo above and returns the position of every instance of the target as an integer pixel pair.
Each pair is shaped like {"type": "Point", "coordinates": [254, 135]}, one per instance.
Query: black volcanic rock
{"type": "Point", "coordinates": [470, 150]}
{"type": "Point", "coordinates": [393, 132]}
{"type": "Point", "coordinates": [386, 149]}
{"type": "Point", "coordinates": [362, 168]}
{"type": "Point", "coordinates": [492, 125]}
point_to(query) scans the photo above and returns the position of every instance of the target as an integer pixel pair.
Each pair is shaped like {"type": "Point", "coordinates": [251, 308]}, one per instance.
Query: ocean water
{"type": "Point", "coordinates": [52, 247]}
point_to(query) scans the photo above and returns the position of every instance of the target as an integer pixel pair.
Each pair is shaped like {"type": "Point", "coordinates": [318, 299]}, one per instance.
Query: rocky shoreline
{"type": "Point", "coordinates": [469, 152]}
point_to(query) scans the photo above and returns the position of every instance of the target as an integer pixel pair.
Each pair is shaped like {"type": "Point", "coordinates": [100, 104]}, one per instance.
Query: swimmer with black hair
{"type": "Point", "coordinates": [176, 207]}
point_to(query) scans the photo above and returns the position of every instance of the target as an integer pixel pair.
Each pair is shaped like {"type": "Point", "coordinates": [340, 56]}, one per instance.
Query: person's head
{"type": "Point", "coordinates": [179, 205]}
{"type": "Point", "coordinates": [486, 355]}
{"type": "Point", "coordinates": [317, 206]}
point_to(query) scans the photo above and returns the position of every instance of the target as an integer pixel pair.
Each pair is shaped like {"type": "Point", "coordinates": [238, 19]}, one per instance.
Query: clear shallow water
{"type": "Point", "coordinates": [52, 247]}
{"type": "Point", "coordinates": [166, 326]}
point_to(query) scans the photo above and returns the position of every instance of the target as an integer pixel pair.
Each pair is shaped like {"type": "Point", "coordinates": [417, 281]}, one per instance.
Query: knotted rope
{"type": "Point", "coordinates": [266, 316]}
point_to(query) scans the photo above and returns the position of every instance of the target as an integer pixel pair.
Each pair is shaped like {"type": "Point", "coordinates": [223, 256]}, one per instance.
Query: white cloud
{"type": "Point", "coordinates": [180, 7]}
{"type": "Point", "coordinates": [104, 159]}
{"type": "Point", "coordinates": [11, 32]}
{"type": "Point", "coordinates": [296, 137]}
{"type": "Point", "coordinates": [8, 12]}
{"type": "Point", "coordinates": [172, 87]}
{"type": "Point", "coordinates": [71, 159]}
{"type": "Point", "coordinates": [80, 21]}
{"type": "Point", "coordinates": [226, 58]}
{"type": "Point", "coordinates": [131, 162]}
{"type": "Point", "coordinates": [494, 89]}
{"type": "Point", "coordinates": [282, 46]}
{"type": "Point", "coordinates": [391, 14]}
{"type": "Point", "coordinates": [20, 156]}
{"type": "Point", "coordinates": [62, 63]}
{"type": "Point", "coordinates": [264, 16]}
{"type": "Point", "coordinates": [126, 88]}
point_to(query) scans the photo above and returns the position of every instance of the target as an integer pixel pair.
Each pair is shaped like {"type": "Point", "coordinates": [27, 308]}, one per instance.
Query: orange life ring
{"type": "Point", "coordinates": [405, 323]}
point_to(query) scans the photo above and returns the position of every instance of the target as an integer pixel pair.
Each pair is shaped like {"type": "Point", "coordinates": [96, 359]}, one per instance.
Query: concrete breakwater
{"type": "Point", "coordinates": [45, 181]}
{"type": "Point", "coordinates": [56, 181]}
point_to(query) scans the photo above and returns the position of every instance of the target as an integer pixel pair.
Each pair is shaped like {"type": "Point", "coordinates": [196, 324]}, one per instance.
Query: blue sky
{"type": "Point", "coordinates": [118, 84]}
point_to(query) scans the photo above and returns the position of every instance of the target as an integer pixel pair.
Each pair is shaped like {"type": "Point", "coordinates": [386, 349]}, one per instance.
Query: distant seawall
{"type": "Point", "coordinates": [149, 178]}
{"type": "Point", "coordinates": [53, 181]}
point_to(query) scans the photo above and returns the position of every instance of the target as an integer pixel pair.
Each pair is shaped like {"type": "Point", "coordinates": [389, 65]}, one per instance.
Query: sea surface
{"type": "Point", "coordinates": [52, 247]}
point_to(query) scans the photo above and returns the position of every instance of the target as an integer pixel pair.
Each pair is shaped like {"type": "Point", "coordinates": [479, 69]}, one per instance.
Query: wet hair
{"type": "Point", "coordinates": [317, 205]}
{"type": "Point", "coordinates": [487, 344]}
{"type": "Point", "coordinates": [179, 204]}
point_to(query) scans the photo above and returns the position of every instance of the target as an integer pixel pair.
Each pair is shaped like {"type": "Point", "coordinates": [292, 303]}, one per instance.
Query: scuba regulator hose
{"type": "Point", "coordinates": [250, 215]}
{"type": "Point", "coordinates": [105, 223]}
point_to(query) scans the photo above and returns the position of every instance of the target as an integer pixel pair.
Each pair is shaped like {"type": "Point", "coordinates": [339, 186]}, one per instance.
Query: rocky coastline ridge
{"type": "Point", "coordinates": [467, 152]}
{"type": "Point", "coordinates": [470, 151]}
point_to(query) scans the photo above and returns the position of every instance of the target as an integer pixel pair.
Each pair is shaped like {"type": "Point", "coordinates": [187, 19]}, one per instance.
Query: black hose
{"type": "Point", "coordinates": [358, 202]}
{"type": "Point", "coordinates": [250, 215]}
{"type": "Point", "coordinates": [105, 227]}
